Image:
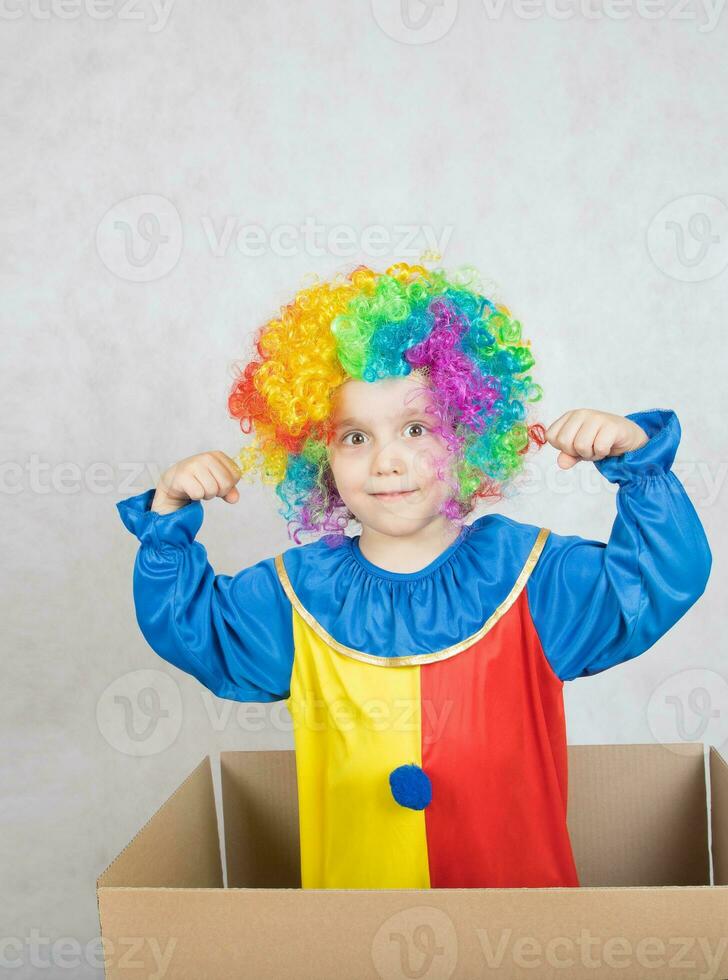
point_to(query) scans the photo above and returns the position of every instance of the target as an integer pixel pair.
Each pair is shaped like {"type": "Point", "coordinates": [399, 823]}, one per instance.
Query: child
{"type": "Point", "coordinates": [423, 660]}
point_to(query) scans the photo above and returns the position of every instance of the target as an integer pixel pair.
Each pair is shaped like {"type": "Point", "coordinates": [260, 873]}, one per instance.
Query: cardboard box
{"type": "Point", "coordinates": [639, 820]}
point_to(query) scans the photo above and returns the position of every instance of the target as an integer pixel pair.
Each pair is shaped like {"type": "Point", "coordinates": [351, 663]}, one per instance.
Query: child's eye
{"type": "Point", "coordinates": [352, 434]}
{"type": "Point", "coordinates": [410, 425]}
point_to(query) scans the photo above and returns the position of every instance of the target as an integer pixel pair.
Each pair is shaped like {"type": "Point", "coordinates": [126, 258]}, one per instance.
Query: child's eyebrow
{"type": "Point", "coordinates": [406, 413]}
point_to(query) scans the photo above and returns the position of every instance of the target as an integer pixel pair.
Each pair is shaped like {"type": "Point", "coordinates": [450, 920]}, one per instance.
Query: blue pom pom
{"type": "Point", "coordinates": [411, 786]}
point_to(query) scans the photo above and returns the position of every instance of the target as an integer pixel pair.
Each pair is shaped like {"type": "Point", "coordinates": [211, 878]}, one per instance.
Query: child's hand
{"type": "Point", "coordinates": [200, 477]}
{"type": "Point", "coordinates": [584, 433]}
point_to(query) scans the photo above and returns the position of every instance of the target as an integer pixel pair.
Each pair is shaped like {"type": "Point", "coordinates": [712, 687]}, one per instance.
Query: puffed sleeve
{"type": "Point", "coordinates": [233, 633]}
{"type": "Point", "coordinates": [596, 605]}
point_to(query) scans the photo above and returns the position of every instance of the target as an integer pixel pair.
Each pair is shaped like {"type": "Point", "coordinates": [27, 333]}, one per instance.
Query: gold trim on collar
{"type": "Point", "coordinates": [417, 658]}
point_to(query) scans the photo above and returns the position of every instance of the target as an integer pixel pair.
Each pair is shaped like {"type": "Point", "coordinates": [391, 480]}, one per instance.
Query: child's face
{"type": "Point", "coordinates": [382, 441]}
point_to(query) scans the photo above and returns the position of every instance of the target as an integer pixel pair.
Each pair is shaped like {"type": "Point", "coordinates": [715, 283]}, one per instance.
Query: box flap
{"type": "Point", "coordinates": [332, 934]}
{"type": "Point", "coordinates": [260, 819]}
{"type": "Point", "coordinates": [178, 846]}
{"type": "Point", "coordinates": [719, 815]}
{"type": "Point", "coordinates": [637, 814]}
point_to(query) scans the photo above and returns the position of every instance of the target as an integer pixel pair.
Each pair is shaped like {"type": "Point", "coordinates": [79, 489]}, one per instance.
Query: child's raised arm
{"type": "Point", "coordinates": [233, 633]}
{"type": "Point", "coordinates": [596, 605]}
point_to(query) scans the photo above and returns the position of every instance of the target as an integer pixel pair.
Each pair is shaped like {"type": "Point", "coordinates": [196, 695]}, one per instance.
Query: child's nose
{"type": "Point", "coordinates": [388, 463]}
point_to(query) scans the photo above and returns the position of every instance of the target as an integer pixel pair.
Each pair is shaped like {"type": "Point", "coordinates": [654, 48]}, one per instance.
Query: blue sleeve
{"type": "Point", "coordinates": [596, 605]}
{"type": "Point", "coordinates": [233, 633]}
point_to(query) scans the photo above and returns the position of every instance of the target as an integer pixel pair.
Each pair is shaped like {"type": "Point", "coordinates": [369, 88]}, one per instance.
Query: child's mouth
{"type": "Point", "coordinates": [400, 494]}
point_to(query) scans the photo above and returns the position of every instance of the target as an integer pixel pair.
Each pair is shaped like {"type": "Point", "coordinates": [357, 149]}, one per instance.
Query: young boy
{"type": "Point", "coordinates": [422, 660]}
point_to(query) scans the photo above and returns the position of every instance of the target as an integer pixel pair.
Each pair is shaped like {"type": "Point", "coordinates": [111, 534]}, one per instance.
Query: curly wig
{"type": "Point", "coordinates": [370, 325]}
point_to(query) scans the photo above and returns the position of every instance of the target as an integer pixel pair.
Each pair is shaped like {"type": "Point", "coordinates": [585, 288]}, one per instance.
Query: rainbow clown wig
{"type": "Point", "coordinates": [370, 325]}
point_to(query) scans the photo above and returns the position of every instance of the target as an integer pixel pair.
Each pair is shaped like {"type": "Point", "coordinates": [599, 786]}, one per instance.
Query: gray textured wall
{"type": "Point", "coordinates": [577, 159]}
